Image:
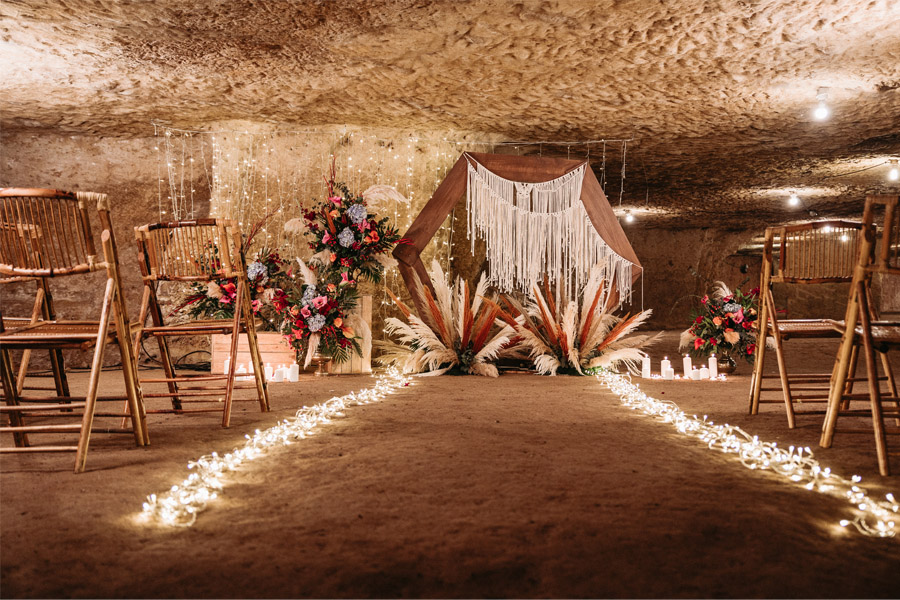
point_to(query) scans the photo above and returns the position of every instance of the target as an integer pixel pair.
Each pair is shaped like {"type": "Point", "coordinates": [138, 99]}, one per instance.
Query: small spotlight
{"type": "Point", "coordinates": [822, 111]}
{"type": "Point", "coordinates": [794, 200]}
{"type": "Point", "coordinates": [629, 218]}
{"type": "Point", "coordinates": [894, 173]}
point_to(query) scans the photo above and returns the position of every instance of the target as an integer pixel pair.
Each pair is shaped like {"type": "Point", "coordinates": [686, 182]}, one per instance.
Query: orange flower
{"type": "Point", "coordinates": [717, 321]}
{"type": "Point", "coordinates": [338, 322]}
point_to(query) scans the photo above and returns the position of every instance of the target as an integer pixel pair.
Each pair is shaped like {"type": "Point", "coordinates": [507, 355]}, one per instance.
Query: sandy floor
{"type": "Point", "coordinates": [456, 486]}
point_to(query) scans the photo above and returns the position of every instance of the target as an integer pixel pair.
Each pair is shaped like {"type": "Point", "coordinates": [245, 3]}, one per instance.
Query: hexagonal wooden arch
{"type": "Point", "coordinates": [528, 169]}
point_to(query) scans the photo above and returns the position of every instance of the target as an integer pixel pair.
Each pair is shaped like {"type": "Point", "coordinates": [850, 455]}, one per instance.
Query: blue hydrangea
{"type": "Point", "coordinates": [357, 213]}
{"type": "Point", "coordinates": [308, 294]}
{"type": "Point", "coordinates": [731, 307]}
{"type": "Point", "coordinates": [346, 238]}
{"type": "Point", "coordinates": [257, 272]}
{"type": "Point", "coordinates": [315, 323]}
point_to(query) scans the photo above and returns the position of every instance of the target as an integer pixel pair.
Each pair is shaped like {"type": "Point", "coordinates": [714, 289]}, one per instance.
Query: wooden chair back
{"type": "Point", "coordinates": [197, 250]}
{"type": "Point", "coordinates": [816, 252]}
{"type": "Point", "coordinates": [47, 233]}
{"type": "Point", "coordinates": [886, 256]}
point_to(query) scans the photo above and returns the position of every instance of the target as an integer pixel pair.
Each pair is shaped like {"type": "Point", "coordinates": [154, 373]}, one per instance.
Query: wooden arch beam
{"type": "Point", "coordinates": [529, 169]}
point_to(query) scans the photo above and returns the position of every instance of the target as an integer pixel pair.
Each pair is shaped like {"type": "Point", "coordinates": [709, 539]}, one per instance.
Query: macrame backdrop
{"type": "Point", "coordinates": [537, 230]}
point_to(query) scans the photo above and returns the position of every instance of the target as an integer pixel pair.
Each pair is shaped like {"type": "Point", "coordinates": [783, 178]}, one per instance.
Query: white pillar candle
{"type": "Point", "coordinates": [645, 367]}
{"type": "Point", "coordinates": [713, 367]}
{"type": "Point", "coordinates": [278, 376]}
{"type": "Point", "coordinates": [695, 374]}
{"type": "Point", "coordinates": [294, 372]}
{"type": "Point", "coordinates": [686, 362]}
{"type": "Point", "coordinates": [226, 365]}
{"type": "Point", "coordinates": [668, 373]}
{"type": "Point", "coordinates": [704, 373]}
{"type": "Point", "coordinates": [665, 365]}
{"type": "Point", "coordinates": [270, 372]}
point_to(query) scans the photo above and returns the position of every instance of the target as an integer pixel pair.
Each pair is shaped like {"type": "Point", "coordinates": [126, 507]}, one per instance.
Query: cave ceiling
{"type": "Point", "coordinates": [716, 96]}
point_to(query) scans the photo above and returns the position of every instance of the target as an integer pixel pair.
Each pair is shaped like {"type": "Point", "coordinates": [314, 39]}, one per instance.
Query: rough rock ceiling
{"type": "Point", "coordinates": [717, 94]}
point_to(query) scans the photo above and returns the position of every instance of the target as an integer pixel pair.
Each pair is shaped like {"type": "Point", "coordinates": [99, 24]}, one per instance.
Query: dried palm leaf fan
{"type": "Point", "coordinates": [580, 337]}
{"type": "Point", "coordinates": [458, 334]}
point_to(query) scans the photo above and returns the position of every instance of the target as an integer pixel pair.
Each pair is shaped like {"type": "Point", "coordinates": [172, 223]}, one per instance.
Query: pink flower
{"type": "Point", "coordinates": [697, 343]}
{"type": "Point", "coordinates": [256, 305]}
{"type": "Point", "coordinates": [305, 312]}
{"type": "Point", "coordinates": [319, 301]}
{"type": "Point", "coordinates": [345, 279]}
{"type": "Point", "coordinates": [336, 199]}
{"type": "Point", "coordinates": [738, 316]}
{"type": "Point", "coordinates": [326, 238]}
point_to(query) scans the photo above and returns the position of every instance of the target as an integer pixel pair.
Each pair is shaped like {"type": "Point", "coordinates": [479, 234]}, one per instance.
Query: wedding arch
{"type": "Point", "coordinates": [535, 214]}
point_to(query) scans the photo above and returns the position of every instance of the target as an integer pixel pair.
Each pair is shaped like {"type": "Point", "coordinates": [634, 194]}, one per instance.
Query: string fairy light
{"type": "Point", "coordinates": [180, 506]}
{"type": "Point", "coordinates": [876, 518]}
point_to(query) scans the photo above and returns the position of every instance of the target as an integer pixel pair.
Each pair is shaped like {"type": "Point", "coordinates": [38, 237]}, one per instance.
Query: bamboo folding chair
{"type": "Point", "coordinates": [804, 254]}
{"type": "Point", "coordinates": [61, 244]}
{"type": "Point", "coordinates": [862, 327]}
{"type": "Point", "coordinates": [202, 250]}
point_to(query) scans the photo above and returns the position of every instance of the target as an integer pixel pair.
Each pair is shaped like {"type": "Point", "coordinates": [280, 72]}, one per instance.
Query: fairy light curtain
{"type": "Point", "coordinates": [537, 230]}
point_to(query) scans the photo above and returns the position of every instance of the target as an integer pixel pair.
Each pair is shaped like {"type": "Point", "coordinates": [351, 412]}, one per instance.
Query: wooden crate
{"type": "Point", "coordinates": [273, 349]}
{"type": "Point", "coordinates": [276, 351]}
{"type": "Point", "coordinates": [358, 364]}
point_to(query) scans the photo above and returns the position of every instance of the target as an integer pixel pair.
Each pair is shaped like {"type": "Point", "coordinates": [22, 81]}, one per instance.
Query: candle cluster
{"type": "Point", "coordinates": [181, 504]}
{"type": "Point", "coordinates": [876, 518]}
{"type": "Point", "coordinates": [272, 375]}
{"type": "Point", "coordinates": [708, 372]}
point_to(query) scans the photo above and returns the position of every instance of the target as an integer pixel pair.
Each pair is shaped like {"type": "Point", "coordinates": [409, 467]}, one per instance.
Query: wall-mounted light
{"type": "Point", "coordinates": [894, 172]}
{"type": "Point", "coordinates": [629, 218]}
{"type": "Point", "coordinates": [794, 200]}
{"type": "Point", "coordinates": [821, 112]}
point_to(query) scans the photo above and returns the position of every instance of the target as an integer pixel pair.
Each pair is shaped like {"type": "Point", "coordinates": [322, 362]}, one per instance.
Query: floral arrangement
{"type": "Point", "coordinates": [455, 335]}
{"type": "Point", "coordinates": [351, 245]}
{"type": "Point", "coordinates": [266, 276]}
{"type": "Point", "coordinates": [315, 318]}
{"type": "Point", "coordinates": [580, 338]}
{"type": "Point", "coordinates": [724, 323]}
{"type": "Point", "coordinates": [350, 242]}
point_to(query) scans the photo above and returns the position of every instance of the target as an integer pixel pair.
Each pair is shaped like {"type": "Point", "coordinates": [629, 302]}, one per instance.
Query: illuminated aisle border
{"type": "Point", "coordinates": [874, 517]}
{"type": "Point", "coordinates": [180, 505]}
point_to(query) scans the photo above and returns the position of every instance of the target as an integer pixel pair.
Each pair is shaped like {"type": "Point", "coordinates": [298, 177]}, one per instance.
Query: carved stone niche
{"type": "Point", "coordinates": [529, 169]}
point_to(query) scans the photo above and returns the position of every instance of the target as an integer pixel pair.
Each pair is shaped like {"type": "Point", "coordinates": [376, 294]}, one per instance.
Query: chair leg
{"type": "Point", "coordinates": [760, 359]}
{"type": "Point", "coordinates": [851, 378]}
{"type": "Point", "coordinates": [262, 390]}
{"type": "Point", "coordinates": [11, 397]}
{"type": "Point", "coordinates": [235, 334]}
{"type": "Point", "coordinates": [841, 369]}
{"type": "Point", "coordinates": [891, 382]}
{"type": "Point", "coordinates": [874, 385]}
{"type": "Point", "coordinates": [782, 369]}
{"type": "Point", "coordinates": [129, 373]}
{"type": "Point", "coordinates": [90, 400]}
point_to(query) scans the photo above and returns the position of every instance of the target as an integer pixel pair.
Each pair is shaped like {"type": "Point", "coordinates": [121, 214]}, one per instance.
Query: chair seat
{"type": "Point", "coordinates": [206, 326]}
{"type": "Point", "coordinates": [53, 334]}
{"type": "Point", "coordinates": [884, 333]}
{"type": "Point", "coordinates": [813, 328]}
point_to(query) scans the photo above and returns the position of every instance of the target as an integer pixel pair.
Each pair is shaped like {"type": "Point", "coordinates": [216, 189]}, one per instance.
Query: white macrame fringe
{"type": "Point", "coordinates": [535, 228]}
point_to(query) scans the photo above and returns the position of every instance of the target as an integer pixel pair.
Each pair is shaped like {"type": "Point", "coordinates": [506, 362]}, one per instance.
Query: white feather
{"type": "Point", "coordinates": [379, 197]}
{"type": "Point", "coordinates": [311, 348]}
{"type": "Point", "coordinates": [309, 278]}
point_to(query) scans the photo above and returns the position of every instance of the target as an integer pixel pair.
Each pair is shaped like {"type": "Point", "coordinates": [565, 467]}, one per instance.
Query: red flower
{"type": "Point", "coordinates": [698, 320]}
{"type": "Point", "coordinates": [747, 325]}
{"type": "Point", "coordinates": [751, 349]}
{"type": "Point", "coordinates": [712, 341]}
{"type": "Point", "coordinates": [697, 343]}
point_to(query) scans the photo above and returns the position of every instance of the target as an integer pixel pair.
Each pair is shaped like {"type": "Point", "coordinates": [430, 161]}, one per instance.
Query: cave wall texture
{"type": "Point", "coordinates": [715, 100]}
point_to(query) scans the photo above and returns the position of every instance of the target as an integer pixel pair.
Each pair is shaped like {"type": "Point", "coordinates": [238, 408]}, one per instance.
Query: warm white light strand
{"type": "Point", "coordinates": [180, 506]}
{"type": "Point", "coordinates": [877, 518]}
